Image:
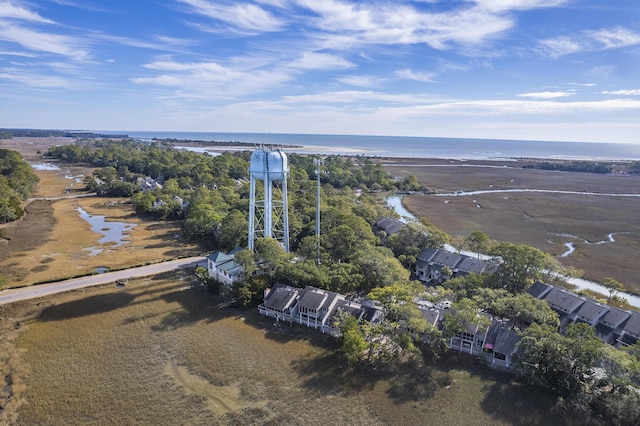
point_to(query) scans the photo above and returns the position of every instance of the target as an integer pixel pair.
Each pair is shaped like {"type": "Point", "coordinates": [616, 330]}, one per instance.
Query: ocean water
{"type": "Point", "coordinates": [421, 147]}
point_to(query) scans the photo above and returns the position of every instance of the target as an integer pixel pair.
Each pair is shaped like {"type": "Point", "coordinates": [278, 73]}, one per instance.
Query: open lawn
{"type": "Point", "coordinates": [543, 220]}
{"type": "Point", "coordinates": [162, 351]}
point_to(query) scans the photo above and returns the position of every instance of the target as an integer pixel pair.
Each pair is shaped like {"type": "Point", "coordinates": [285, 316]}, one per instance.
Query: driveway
{"type": "Point", "coordinates": [40, 290]}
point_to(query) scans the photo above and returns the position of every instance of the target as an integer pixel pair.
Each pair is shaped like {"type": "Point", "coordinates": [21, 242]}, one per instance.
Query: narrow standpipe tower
{"type": "Point", "coordinates": [318, 163]}
{"type": "Point", "coordinates": [269, 212]}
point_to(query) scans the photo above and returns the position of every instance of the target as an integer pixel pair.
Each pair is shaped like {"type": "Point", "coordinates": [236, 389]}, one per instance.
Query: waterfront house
{"type": "Point", "coordinates": [387, 226]}
{"type": "Point", "coordinates": [223, 268]}
{"type": "Point", "coordinates": [436, 266]}
{"type": "Point", "coordinates": [279, 302]}
{"type": "Point", "coordinates": [501, 345]}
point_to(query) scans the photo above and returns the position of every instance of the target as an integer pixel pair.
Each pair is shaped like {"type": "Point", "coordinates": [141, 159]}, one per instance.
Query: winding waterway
{"type": "Point", "coordinates": [395, 202]}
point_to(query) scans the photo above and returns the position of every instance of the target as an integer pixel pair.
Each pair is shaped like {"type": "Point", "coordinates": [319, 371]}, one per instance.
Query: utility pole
{"type": "Point", "coordinates": [318, 162]}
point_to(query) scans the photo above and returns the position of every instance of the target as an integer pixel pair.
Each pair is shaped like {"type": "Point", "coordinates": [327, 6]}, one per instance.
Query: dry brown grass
{"type": "Point", "coordinates": [536, 218]}
{"type": "Point", "coordinates": [158, 352]}
{"type": "Point", "coordinates": [50, 241]}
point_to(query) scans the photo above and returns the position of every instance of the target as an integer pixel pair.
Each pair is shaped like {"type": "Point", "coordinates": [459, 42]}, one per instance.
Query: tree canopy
{"type": "Point", "coordinates": [17, 180]}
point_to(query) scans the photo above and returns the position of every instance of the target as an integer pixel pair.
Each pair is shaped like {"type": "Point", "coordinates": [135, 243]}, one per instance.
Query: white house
{"type": "Point", "coordinates": [223, 268]}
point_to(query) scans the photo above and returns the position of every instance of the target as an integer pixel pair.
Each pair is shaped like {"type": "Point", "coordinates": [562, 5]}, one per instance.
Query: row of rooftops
{"type": "Point", "coordinates": [315, 307]}
{"type": "Point", "coordinates": [459, 263]}
{"type": "Point", "coordinates": [613, 325]}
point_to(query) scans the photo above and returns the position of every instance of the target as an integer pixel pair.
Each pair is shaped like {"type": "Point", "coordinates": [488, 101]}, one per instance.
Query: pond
{"type": "Point", "coordinates": [114, 233]}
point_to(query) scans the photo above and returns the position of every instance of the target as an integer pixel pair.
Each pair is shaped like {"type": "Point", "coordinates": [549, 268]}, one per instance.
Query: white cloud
{"type": "Point", "coordinates": [583, 84]}
{"type": "Point", "coordinates": [362, 80]}
{"type": "Point", "coordinates": [35, 80]}
{"type": "Point", "coordinates": [43, 42]}
{"type": "Point", "coordinates": [9, 10]}
{"type": "Point", "coordinates": [409, 74]}
{"type": "Point", "coordinates": [245, 16]}
{"type": "Point", "coordinates": [345, 25]}
{"type": "Point", "coordinates": [320, 61]}
{"type": "Point", "coordinates": [509, 5]}
{"type": "Point", "coordinates": [546, 95]}
{"type": "Point", "coordinates": [632, 92]}
{"type": "Point", "coordinates": [602, 71]}
{"type": "Point", "coordinates": [589, 41]}
{"type": "Point", "coordinates": [615, 38]}
{"type": "Point", "coordinates": [205, 79]}
{"type": "Point", "coordinates": [560, 46]}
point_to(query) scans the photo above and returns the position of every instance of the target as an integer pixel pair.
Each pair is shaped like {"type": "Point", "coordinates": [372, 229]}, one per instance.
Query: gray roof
{"type": "Point", "coordinates": [281, 297]}
{"type": "Point", "coordinates": [591, 311]}
{"type": "Point", "coordinates": [633, 325]}
{"type": "Point", "coordinates": [506, 341]}
{"type": "Point", "coordinates": [615, 317]}
{"type": "Point", "coordinates": [446, 258]}
{"type": "Point", "coordinates": [563, 300]}
{"type": "Point", "coordinates": [427, 254]}
{"type": "Point", "coordinates": [343, 305]}
{"type": "Point", "coordinates": [471, 265]}
{"type": "Point", "coordinates": [389, 225]}
{"type": "Point", "coordinates": [312, 298]}
{"type": "Point", "coordinates": [219, 257]}
{"type": "Point", "coordinates": [373, 314]}
{"type": "Point", "coordinates": [431, 316]}
{"type": "Point", "coordinates": [538, 289]}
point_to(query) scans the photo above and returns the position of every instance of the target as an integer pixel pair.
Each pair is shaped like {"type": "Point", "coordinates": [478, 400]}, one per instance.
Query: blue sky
{"type": "Point", "coordinates": [508, 69]}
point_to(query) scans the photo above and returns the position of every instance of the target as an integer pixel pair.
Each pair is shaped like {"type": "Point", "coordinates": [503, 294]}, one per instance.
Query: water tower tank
{"type": "Point", "coordinates": [268, 209]}
{"type": "Point", "coordinates": [268, 165]}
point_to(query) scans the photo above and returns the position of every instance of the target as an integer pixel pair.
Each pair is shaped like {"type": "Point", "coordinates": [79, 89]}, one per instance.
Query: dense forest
{"type": "Point", "coordinates": [40, 133]}
{"type": "Point", "coordinates": [17, 180]}
{"type": "Point", "coordinates": [210, 194]}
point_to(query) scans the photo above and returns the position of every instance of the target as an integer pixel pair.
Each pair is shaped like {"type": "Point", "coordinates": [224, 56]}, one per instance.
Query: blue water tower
{"type": "Point", "coordinates": [268, 209]}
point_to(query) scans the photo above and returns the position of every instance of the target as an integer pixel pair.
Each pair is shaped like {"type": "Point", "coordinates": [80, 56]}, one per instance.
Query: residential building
{"type": "Point", "coordinates": [436, 266]}
{"type": "Point", "coordinates": [223, 268]}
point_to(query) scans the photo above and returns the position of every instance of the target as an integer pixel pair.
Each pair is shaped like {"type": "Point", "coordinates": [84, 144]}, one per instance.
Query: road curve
{"type": "Point", "coordinates": [40, 290]}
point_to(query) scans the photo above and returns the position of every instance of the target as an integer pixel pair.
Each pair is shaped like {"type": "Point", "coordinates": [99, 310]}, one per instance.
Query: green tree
{"type": "Point", "coordinates": [478, 242]}
{"type": "Point", "coordinates": [519, 265]}
{"type": "Point", "coordinates": [233, 230]}
{"type": "Point", "coordinates": [613, 286]}
{"type": "Point", "coordinates": [525, 309]}
{"type": "Point", "coordinates": [562, 364]}
{"type": "Point", "coordinates": [463, 312]}
{"type": "Point", "coordinates": [378, 268]}
{"type": "Point", "coordinates": [352, 340]}
{"type": "Point", "coordinates": [403, 322]}
{"type": "Point", "coordinates": [408, 242]}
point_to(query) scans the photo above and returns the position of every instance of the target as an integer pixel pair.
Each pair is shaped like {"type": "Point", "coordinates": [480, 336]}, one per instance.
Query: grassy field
{"type": "Point", "coordinates": [162, 351]}
{"type": "Point", "coordinates": [542, 220]}
{"type": "Point", "coordinates": [53, 242]}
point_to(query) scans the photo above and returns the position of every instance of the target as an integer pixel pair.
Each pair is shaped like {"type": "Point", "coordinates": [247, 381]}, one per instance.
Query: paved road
{"type": "Point", "coordinates": [17, 294]}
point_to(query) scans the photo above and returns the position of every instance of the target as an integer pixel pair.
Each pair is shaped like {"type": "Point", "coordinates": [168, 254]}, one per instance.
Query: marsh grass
{"type": "Point", "coordinates": [536, 219]}
{"type": "Point", "coordinates": [51, 242]}
{"type": "Point", "coordinates": [160, 352]}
